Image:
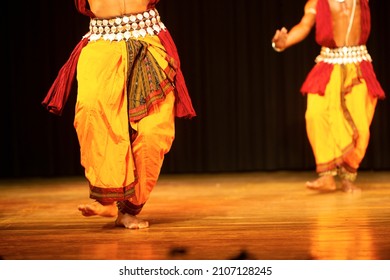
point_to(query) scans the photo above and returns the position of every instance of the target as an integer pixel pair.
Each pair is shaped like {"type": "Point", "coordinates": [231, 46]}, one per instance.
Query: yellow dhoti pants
{"type": "Point", "coordinates": [122, 158]}
{"type": "Point", "coordinates": [338, 123]}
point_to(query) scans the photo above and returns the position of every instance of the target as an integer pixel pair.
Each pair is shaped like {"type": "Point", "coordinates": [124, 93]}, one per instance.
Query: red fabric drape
{"type": "Point", "coordinates": [183, 105]}
{"type": "Point", "coordinates": [374, 88]}
{"type": "Point", "coordinates": [82, 7]}
{"type": "Point", "coordinates": [58, 94]}
{"type": "Point", "coordinates": [324, 30]}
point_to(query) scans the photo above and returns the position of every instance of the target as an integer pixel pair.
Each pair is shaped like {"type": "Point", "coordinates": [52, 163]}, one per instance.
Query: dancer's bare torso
{"type": "Point", "coordinates": [342, 11]}
{"type": "Point", "coordinates": [112, 8]}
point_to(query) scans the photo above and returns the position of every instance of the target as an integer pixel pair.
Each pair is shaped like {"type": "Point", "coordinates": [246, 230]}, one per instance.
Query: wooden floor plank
{"type": "Point", "coordinates": [259, 215]}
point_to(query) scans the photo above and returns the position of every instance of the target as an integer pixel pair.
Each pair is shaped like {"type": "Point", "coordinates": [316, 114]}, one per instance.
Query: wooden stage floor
{"type": "Point", "coordinates": [269, 216]}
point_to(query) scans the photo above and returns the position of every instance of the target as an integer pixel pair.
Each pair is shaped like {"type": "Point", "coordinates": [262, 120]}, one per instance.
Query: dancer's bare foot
{"type": "Point", "coordinates": [349, 187]}
{"type": "Point", "coordinates": [130, 221]}
{"type": "Point", "coordinates": [324, 183]}
{"type": "Point", "coordinates": [97, 209]}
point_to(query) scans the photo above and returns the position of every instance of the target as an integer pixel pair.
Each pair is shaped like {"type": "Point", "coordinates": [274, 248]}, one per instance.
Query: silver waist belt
{"type": "Point", "coordinates": [125, 27]}
{"type": "Point", "coordinates": [344, 55]}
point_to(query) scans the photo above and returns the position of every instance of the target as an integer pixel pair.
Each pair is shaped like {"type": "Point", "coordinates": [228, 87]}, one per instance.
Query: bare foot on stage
{"type": "Point", "coordinates": [97, 209]}
{"type": "Point", "coordinates": [130, 222]}
{"type": "Point", "coordinates": [349, 187]}
{"type": "Point", "coordinates": [324, 183]}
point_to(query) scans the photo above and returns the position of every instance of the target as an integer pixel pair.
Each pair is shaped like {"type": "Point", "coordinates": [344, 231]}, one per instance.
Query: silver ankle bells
{"type": "Point", "coordinates": [125, 27]}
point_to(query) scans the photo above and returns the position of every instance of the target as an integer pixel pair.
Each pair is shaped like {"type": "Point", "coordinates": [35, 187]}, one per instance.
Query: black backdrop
{"type": "Point", "coordinates": [250, 111]}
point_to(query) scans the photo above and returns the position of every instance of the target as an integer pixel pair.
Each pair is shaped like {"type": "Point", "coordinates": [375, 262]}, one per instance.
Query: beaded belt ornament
{"type": "Point", "coordinates": [126, 27]}
{"type": "Point", "coordinates": [344, 55]}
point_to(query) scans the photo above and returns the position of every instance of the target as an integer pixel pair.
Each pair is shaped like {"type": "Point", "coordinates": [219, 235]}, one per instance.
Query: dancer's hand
{"type": "Point", "coordinates": [279, 40]}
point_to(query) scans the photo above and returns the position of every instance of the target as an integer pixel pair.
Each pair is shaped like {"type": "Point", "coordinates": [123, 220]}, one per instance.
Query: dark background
{"type": "Point", "coordinates": [250, 111]}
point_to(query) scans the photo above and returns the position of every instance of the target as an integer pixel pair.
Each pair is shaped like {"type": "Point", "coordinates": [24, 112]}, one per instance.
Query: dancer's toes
{"type": "Point", "coordinates": [97, 209]}
{"type": "Point", "coordinates": [324, 183]}
{"type": "Point", "coordinates": [85, 211]}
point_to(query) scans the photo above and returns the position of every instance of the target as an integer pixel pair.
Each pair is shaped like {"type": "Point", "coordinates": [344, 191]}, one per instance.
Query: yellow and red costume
{"type": "Point", "coordinates": [342, 91]}
{"type": "Point", "coordinates": [130, 89]}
